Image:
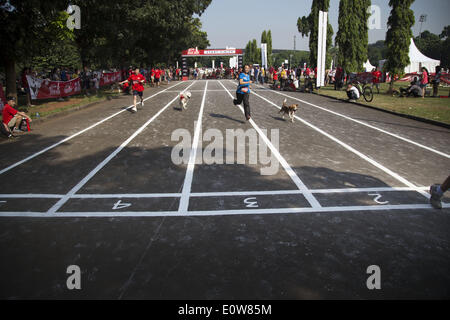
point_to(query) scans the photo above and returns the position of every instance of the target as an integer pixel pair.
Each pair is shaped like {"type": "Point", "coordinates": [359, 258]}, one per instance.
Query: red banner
{"type": "Point", "coordinates": [109, 78]}
{"type": "Point", "coordinates": [46, 89]}
{"type": "Point", "coordinates": [445, 77]}
{"type": "Point", "coordinates": [193, 52]}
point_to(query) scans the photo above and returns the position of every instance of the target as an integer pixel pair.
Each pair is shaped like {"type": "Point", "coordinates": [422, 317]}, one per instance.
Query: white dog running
{"type": "Point", "coordinates": [184, 98]}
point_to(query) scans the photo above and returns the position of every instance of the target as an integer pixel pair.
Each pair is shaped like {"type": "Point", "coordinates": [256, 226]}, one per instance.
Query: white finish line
{"type": "Point", "coordinates": [115, 214]}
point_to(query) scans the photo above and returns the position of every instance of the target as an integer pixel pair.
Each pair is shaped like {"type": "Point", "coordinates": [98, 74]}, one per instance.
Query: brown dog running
{"type": "Point", "coordinates": [289, 110]}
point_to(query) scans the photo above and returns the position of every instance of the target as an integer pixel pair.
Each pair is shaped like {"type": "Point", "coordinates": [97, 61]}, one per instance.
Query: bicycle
{"type": "Point", "coordinates": [364, 90]}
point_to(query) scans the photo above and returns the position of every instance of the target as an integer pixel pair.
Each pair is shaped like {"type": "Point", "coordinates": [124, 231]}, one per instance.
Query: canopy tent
{"type": "Point", "coordinates": [368, 67]}
{"type": "Point", "coordinates": [417, 61]}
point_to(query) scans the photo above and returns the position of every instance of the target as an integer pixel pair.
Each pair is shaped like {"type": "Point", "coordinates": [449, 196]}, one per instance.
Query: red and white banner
{"type": "Point", "coordinates": [445, 77]}
{"type": "Point", "coordinates": [46, 89]}
{"type": "Point", "coordinates": [194, 52]}
{"type": "Point", "coordinates": [109, 78]}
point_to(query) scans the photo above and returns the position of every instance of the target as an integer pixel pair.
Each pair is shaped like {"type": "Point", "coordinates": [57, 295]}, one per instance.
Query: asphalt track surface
{"type": "Point", "coordinates": [98, 188]}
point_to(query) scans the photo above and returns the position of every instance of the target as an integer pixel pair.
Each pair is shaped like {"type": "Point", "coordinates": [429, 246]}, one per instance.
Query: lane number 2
{"type": "Point", "coordinates": [250, 203]}
{"type": "Point", "coordinates": [377, 198]}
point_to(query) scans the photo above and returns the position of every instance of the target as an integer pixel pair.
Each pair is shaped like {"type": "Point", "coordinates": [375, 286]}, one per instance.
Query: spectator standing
{"type": "Point", "coordinates": [424, 81]}
{"type": "Point", "coordinates": [437, 81]}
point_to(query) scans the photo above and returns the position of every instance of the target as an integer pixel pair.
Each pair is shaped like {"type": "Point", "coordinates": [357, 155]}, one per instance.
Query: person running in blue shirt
{"type": "Point", "coordinates": [243, 91]}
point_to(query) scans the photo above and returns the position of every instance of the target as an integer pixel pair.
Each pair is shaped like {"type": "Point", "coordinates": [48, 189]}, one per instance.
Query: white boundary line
{"type": "Point", "coordinates": [208, 194]}
{"type": "Point", "coordinates": [187, 185]}
{"type": "Point", "coordinates": [299, 183]}
{"type": "Point", "coordinates": [76, 134]}
{"type": "Point", "coordinates": [366, 124]}
{"type": "Point", "coordinates": [361, 155]}
{"type": "Point", "coordinates": [77, 187]}
{"type": "Point", "coordinates": [221, 212]}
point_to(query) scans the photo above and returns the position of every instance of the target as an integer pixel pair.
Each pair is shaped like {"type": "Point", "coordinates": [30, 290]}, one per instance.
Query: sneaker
{"type": "Point", "coordinates": [134, 109]}
{"type": "Point", "coordinates": [142, 102]}
{"type": "Point", "coordinates": [17, 130]}
{"type": "Point", "coordinates": [435, 199]}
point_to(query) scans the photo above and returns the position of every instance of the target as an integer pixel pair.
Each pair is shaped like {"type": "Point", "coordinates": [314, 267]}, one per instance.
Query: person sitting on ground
{"type": "Point", "coordinates": [414, 89]}
{"type": "Point", "coordinates": [352, 93]}
{"type": "Point", "coordinates": [11, 117]}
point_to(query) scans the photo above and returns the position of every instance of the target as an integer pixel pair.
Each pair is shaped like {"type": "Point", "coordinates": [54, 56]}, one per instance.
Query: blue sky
{"type": "Point", "coordinates": [234, 22]}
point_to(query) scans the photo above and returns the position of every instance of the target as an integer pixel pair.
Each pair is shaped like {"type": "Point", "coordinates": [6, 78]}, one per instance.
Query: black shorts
{"type": "Point", "coordinates": [138, 93]}
{"type": "Point", "coordinates": [156, 79]}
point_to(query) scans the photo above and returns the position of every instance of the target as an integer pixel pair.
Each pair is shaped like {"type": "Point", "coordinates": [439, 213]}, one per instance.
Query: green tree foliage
{"type": "Point", "coordinates": [377, 52]}
{"type": "Point", "coordinates": [269, 48]}
{"type": "Point", "coordinates": [398, 37]}
{"type": "Point", "coordinates": [26, 30]}
{"type": "Point", "coordinates": [352, 37]}
{"type": "Point", "coordinates": [309, 26]}
{"type": "Point", "coordinates": [298, 57]}
{"type": "Point", "coordinates": [252, 54]}
{"type": "Point", "coordinates": [139, 32]}
{"type": "Point", "coordinates": [435, 46]}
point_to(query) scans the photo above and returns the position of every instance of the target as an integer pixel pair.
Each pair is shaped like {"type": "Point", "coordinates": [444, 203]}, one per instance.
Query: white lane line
{"type": "Point", "coordinates": [187, 185]}
{"type": "Point", "coordinates": [76, 134]}
{"type": "Point", "coordinates": [368, 125]}
{"type": "Point", "coordinates": [61, 202]}
{"type": "Point", "coordinates": [210, 90]}
{"type": "Point", "coordinates": [31, 196]}
{"type": "Point", "coordinates": [207, 194]}
{"type": "Point", "coordinates": [361, 155]}
{"type": "Point", "coordinates": [126, 195]}
{"type": "Point", "coordinates": [300, 185]}
{"type": "Point", "coordinates": [222, 212]}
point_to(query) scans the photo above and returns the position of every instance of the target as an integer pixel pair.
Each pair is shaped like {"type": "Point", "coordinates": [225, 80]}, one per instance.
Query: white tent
{"type": "Point", "coordinates": [417, 61]}
{"type": "Point", "coordinates": [368, 67]}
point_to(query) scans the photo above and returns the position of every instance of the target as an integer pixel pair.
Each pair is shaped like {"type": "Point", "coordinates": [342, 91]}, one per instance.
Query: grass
{"type": "Point", "coordinates": [437, 109]}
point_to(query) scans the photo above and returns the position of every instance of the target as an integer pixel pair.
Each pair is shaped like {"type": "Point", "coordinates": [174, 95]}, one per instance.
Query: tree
{"type": "Point", "coordinates": [352, 36]}
{"type": "Point", "coordinates": [398, 37]}
{"type": "Point", "coordinates": [377, 52]}
{"type": "Point", "coordinates": [26, 29]}
{"type": "Point", "coordinates": [264, 37]}
{"type": "Point", "coordinates": [269, 48]}
{"type": "Point", "coordinates": [309, 26]}
{"type": "Point", "coordinates": [445, 47]}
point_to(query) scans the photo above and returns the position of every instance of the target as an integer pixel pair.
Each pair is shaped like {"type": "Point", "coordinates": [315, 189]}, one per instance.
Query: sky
{"type": "Point", "coordinates": [234, 22]}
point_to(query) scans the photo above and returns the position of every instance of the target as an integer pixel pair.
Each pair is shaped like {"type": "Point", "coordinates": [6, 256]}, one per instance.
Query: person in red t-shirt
{"type": "Point", "coordinates": [11, 117]}
{"type": "Point", "coordinates": [136, 80]}
{"type": "Point", "coordinates": [376, 76]}
{"type": "Point", "coordinates": [157, 76]}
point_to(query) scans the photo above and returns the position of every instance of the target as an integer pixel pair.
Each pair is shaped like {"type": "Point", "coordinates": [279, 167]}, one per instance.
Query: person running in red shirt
{"type": "Point", "coordinates": [376, 76]}
{"type": "Point", "coordinates": [137, 80]}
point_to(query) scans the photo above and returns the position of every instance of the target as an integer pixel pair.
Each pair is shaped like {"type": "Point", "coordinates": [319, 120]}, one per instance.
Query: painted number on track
{"type": "Point", "coordinates": [251, 202]}
{"type": "Point", "coordinates": [377, 198]}
{"type": "Point", "coordinates": [119, 205]}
